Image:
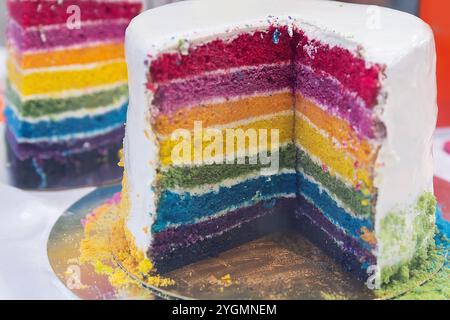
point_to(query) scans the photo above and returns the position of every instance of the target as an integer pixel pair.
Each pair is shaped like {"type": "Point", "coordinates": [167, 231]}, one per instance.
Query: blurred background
{"type": "Point", "coordinates": [432, 11]}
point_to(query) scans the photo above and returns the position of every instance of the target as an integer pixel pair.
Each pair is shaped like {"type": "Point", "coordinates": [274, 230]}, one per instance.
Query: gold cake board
{"type": "Point", "coordinates": [276, 267]}
{"type": "Point", "coordinates": [279, 266]}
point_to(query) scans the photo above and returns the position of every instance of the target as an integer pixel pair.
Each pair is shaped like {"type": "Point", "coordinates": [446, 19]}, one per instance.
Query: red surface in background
{"type": "Point", "coordinates": [442, 192]}
{"type": "Point", "coordinates": [436, 12]}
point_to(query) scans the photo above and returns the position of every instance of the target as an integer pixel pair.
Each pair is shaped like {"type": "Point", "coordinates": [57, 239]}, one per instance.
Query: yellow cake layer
{"type": "Point", "coordinates": [70, 56]}
{"type": "Point", "coordinates": [281, 121]}
{"type": "Point", "coordinates": [55, 81]}
{"type": "Point", "coordinates": [334, 158]}
{"type": "Point", "coordinates": [224, 112]}
{"type": "Point", "coordinates": [338, 129]}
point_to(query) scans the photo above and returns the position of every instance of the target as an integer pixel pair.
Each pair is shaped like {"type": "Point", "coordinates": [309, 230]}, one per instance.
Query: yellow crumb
{"type": "Point", "coordinates": [226, 280]}
{"type": "Point", "coordinates": [109, 257]}
{"type": "Point", "coordinates": [145, 266]}
{"type": "Point", "coordinates": [119, 278]}
{"type": "Point", "coordinates": [121, 161]}
{"type": "Point", "coordinates": [102, 268]}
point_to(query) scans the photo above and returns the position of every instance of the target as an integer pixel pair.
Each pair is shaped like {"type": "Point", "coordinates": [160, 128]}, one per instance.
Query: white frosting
{"type": "Point", "coordinates": [401, 42]}
{"type": "Point", "coordinates": [410, 115]}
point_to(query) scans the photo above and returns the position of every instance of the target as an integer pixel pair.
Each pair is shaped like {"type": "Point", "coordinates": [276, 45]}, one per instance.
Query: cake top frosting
{"type": "Point", "coordinates": [384, 34]}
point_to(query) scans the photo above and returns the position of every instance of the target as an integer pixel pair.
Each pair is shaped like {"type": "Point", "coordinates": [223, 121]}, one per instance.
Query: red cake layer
{"type": "Point", "coordinates": [40, 13]}
{"type": "Point", "coordinates": [245, 50]}
{"type": "Point", "coordinates": [272, 46]}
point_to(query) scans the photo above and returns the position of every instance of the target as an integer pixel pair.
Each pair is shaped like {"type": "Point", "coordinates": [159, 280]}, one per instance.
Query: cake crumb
{"type": "Point", "coordinates": [106, 222]}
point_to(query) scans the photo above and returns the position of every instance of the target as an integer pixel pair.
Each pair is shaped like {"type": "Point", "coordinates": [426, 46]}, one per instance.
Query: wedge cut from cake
{"type": "Point", "coordinates": [67, 90]}
{"type": "Point", "coordinates": [331, 109]}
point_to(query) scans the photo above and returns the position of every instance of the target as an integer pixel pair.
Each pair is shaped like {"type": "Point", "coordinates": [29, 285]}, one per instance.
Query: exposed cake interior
{"type": "Point", "coordinates": [322, 98]}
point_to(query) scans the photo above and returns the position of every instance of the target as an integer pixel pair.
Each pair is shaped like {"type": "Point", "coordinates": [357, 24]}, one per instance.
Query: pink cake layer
{"type": "Point", "coordinates": [34, 39]}
{"type": "Point", "coordinates": [172, 96]}
{"type": "Point", "coordinates": [41, 13]}
{"type": "Point", "coordinates": [266, 47]}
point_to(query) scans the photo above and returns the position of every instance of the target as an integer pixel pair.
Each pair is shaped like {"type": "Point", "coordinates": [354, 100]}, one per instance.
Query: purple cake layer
{"type": "Point", "coordinates": [330, 94]}
{"type": "Point", "coordinates": [54, 37]}
{"type": "Point", "coordinates": [49, 150]}
{"type": "Point", "coordinates": [188, 235]}
{"type": "Point", "coordinates": [269, 221]}
{"type": "Point", "coordinates": [95, 167]}
{"type": "Point", "coordinates": [347, 244]}
{"type": "Point", "coordinates": [267, 78]}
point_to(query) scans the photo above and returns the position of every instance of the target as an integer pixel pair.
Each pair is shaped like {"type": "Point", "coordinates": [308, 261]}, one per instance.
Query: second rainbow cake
{"type": "Point", "coordinates": [67, 90]}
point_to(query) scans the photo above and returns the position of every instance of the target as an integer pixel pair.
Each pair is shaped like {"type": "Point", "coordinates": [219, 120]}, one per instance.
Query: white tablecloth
{"type": "Point", "coordinates": [26, 221]}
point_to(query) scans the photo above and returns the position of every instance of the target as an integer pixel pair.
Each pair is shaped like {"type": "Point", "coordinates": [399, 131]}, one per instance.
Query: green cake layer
{"type": "Point", "coordinates": [353, 199]}
{"type": "Point", "coordinates": [190, 177]}
{"type": "Point", "coordinates": [43, 107]}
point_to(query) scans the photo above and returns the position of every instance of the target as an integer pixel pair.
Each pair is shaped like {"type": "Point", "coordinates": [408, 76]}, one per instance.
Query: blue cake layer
{"type": "Point", "coordinates": [185, 208]}
{"type": "Point", "coordinates": [67, 126]}
{"type": "Point", "coordinates": [333, 212]}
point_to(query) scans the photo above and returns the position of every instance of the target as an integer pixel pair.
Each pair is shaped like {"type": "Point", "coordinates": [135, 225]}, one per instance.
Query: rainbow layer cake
{"type": "Point", "coordinates": [261, 116]}
{"type": "Point", "coordinates": [67, 90]}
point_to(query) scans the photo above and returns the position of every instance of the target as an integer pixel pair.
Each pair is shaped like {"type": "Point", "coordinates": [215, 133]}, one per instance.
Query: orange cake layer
{"type": "Point", "coordinates": [68, 56]}
{"type": "Point", "coordinates": [224, 112]}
